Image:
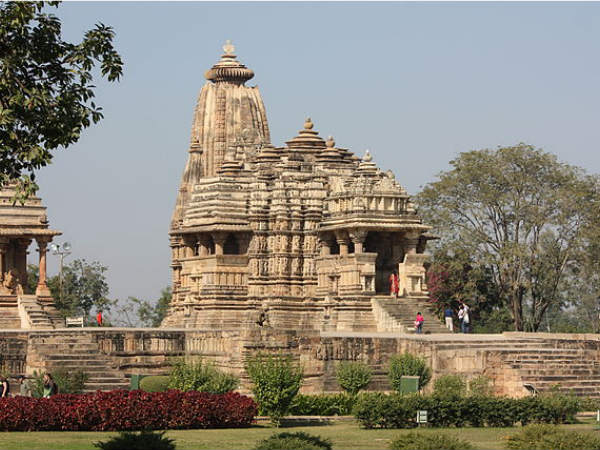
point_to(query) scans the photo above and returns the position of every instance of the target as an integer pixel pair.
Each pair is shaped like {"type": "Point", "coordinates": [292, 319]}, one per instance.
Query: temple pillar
{"type": "Point", "coordinates": [189, 242]}
{"type": "Point", "coordinates": [3, 266]}
{"type": "Point", "coordinates": [21, 260]}
{"type": "Point", "coordinates": [42, 288]}
{"type": "Point", "coordinates": [411, 241]}
{"type": "Point", "coordinates": [203, 246]}
{"type": "Point", "coordinates": [342, 240]}
{"type": "Point", "coordinates": [219, 239]}
{"type": "Point", "coordinates": [358, 238]}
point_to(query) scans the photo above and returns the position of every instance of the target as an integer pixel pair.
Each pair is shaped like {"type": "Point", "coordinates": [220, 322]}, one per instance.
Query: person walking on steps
{"type": "Point", "coordinates": [419, 323]}
{"type": "Point", "coordinates": [449, 318]}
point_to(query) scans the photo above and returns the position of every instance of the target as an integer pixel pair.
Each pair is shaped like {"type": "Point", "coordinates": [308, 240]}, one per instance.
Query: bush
{"type": "Point", "coordinates": [544, 437]}
{"type": "Point", "coordinates": [276, 381]}
{"type": "Point", "coordinates": [157, 383]}
{"type": "Point", "coordinates": [450, 386]}
{"type": "Point", "coordinates": [353, 376]}
{"type": "Point", "coordinates": [407, 364]}
{"type": "Point", "coordinates": [126, 411]}
{"type": "Point", "coordinates": [144, 440]}
{"type": "Point", "coordinates": [377, 410]}
{"type": "Point", "coordinates": [197, 375]}
{"type": "Point", "coordinates": [294, 441]}
{"type": "Point", "coordinates": [68, 382]}
{"type": "Point", "coordinates": [422, 441]}
{"type": "Point", "coordinates": [322, 405]}
{"type": "Point", "coordinates": [481, 385]}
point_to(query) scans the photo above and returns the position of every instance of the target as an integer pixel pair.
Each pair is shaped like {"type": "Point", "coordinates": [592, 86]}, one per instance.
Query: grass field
{"type": "Point", "coordinates": [346, 435]}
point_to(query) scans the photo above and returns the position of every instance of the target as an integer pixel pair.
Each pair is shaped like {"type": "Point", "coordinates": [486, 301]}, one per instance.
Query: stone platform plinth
{"type": "Point", "coordinates": [111, 355]}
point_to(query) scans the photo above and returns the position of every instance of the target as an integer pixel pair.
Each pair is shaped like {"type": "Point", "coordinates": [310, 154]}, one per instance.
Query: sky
{"type": "Point", "coordinates": [415, 83]}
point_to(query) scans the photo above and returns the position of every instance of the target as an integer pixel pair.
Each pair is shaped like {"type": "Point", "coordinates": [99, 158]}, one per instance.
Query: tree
{"type": "Point", "coordinates": [46, 90]}
{"type": "Point", "coordinates": [148, 314]}
{"type": "Point", "coordinates": [519, 212]}
{"type": "Point", "coordinates": [83, 287]}
{"type": "Point", "coordinates": [276, 380]}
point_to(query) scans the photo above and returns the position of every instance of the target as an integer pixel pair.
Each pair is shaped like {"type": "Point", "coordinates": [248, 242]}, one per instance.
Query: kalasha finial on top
{"type": "Point", "coordinates": [228, 48]}
{"type": "Point", "coordinates": [367, 157]}
{"type": "Point", "coordinates": [229, 69]}
{"type": "Point", "coordinates": [330, 142]}
{"type": "Point", "coordinates": [308, 125]}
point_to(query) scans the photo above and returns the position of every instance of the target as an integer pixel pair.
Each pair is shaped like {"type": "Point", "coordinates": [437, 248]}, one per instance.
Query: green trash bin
{"type": "Point", "coordinates": [134, 382]}
{"type": "Point", "coordinates": [409, 384]}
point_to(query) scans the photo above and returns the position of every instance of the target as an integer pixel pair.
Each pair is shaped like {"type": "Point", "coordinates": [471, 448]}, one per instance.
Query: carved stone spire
{"type": "Point", "coordinates": [229, 69]}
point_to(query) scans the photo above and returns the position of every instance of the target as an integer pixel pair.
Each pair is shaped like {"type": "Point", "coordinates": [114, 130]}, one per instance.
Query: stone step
{"type": "Point", "coordinates": [92, 387]}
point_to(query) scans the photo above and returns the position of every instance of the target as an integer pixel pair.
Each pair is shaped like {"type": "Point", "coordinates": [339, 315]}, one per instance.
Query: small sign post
{"type": "Point", "coordinates": [421, 416]}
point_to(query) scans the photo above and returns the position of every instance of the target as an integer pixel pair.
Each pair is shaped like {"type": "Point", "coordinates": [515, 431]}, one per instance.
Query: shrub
{"type": "Point", "coordinates": [276, 381]}
{"type": "Point", "coordinates": [543, 437]}
{"type": "Point", "coordinates": [322, 405]}
{"type": "Point", "coordinates": [353, 376]}
{"type": "Point", "coordinates": [450, 386]}
{"type": "Point", "coordinates": [144, 440]}
{"type": "Point", "coordinates": [421, 441]}
{"type": "Point", "coordinates": [407, 364]}
{"type": "Point", "coordinates": [197, 375]}
{"type": "Point", "coordinates": [294, 441]}
{"type": "Point", "coordinates": [398, 411]}
{"type": "Point", "coordinates": [557, 408]}
{"type": "Point", "coordinates": [127, 410]}
{"type": "Point", "coordinates": [68, 382]}
{"type": "Point", "coordinates": [481, 385]}
{"type": "Point", "coordinates": [157, 383]}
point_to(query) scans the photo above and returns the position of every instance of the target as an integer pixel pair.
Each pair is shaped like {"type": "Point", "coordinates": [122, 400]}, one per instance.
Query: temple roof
{"type": "Point", "coordinates": [28, 219]}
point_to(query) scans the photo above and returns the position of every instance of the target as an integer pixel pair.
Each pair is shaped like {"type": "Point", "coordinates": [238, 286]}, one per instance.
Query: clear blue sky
{"type": "Point", "coordinates": [415, 83]}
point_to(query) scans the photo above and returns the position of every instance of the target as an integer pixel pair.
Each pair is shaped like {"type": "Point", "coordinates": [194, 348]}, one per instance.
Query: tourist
{"type": "Point", "coordinates": [419, 323]}
{"type": "Point", "coordinates": [5, 386]}
{"type": "Point", "coordinates": [466, 317]}
{"type": "Point", "coordinates": [99, 318]}
{"type": "Point", "coordinates": [461, 315]}
{"type": "Point", "coordinates": [50, 387]}
{"type": "Point", "coordinates": [394, 284]}
{"type": "Point", "coordinates": [24, 386]}
{"type": "Point", "coordinates": [448, 316]}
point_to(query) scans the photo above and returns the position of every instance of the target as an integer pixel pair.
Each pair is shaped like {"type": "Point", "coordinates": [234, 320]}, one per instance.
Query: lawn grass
{"type": "Point", "coordinates": [345, 435]}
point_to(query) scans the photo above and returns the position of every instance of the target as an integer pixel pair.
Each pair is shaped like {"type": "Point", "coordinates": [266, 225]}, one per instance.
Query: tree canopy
{"type": "Point", "coordinates": [46, 88]}
{"type": "Point", "coordinates": [521, 214]}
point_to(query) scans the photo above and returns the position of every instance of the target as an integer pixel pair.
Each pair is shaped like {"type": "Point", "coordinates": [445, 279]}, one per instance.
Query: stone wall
{"type": "Point", "coordinates": [151, 350]}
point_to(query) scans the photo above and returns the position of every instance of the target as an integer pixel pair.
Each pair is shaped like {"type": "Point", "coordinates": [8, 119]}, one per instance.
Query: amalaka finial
{"type": "Point", "coordinates": [308, 125]}
{"type": "Point", "coordinates": [330, 142]}
{"type": "Point", "coordinates": [367, 157]}
{"type": "Point", "coordinates": [228, 48]}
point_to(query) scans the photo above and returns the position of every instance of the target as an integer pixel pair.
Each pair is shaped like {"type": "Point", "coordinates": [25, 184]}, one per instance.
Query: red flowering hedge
{"type": "Point", "coordinates": [127, 410]}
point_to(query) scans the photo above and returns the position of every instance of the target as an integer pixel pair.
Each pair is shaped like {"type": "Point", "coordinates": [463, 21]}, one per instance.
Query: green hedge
{"type": "Point", "coordinates": [322, 405]}
{"type": "Point", "coordinates": [378, 410]}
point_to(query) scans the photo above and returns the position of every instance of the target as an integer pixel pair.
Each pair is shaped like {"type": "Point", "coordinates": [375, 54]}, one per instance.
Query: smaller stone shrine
{"type": "Point", "coordinates": [20, 225]}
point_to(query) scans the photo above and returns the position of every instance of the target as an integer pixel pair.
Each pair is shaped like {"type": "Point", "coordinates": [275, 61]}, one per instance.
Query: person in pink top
{"type": "Point", "coordinates": [419, 323]}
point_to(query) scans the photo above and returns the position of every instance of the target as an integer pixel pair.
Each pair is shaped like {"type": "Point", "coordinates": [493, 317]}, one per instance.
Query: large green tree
{"type": "Point", "coordinates": [46, 88]}
{"type": "Point", "coordinates": [135, 311]}
{"type": "Point", "coordinates": [520, 213]}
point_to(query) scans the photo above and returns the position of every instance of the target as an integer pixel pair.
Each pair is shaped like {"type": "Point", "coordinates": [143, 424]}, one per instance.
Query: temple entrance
{"type": "Point", "coordinates": [386, 246]}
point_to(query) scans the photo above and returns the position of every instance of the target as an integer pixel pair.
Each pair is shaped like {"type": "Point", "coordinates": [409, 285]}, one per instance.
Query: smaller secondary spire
{"type": "Point", "coordinates": [229, 69]}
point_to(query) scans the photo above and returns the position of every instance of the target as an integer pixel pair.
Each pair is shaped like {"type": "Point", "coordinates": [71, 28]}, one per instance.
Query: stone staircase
{"type": "Point", "coordinates": [398, 315]}
{"type": "Point", "coordinates": [543, 364]}
{"type": "Point", "coordinates": [78, 351]}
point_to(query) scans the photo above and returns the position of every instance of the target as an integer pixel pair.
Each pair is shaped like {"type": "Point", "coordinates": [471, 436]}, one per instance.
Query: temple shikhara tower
{"type": "Point", "coordinates": [303, 236]}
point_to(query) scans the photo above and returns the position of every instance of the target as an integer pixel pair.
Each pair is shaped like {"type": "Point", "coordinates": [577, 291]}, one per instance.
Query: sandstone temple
{"type": "Point", "coordinates": [302, 236]}
{"type": "Point", "coordinates": [282, 249]}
